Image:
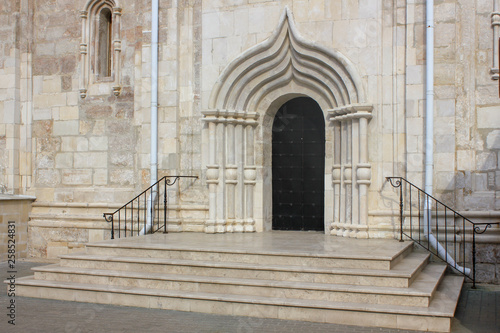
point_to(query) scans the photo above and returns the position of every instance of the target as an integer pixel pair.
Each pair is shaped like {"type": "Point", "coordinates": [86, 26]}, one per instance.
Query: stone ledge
{"type": "Point", "coordinates": [8, 197]}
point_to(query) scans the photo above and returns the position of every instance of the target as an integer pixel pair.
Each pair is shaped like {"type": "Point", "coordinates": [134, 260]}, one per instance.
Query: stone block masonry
{"type": "Point", "coordinates": [14, 208]}
{"type": "Point", "coordinates": [79, 141]}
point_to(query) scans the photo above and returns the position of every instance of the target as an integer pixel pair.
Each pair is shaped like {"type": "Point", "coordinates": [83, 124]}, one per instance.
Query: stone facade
{"type": "Point", "coordinates": [14, 216]}
{"type": "Point", "coordinates": [79, 140]}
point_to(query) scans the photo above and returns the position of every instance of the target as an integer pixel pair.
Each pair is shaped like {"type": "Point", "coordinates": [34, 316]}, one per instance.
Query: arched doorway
{"type": "Point", "coordinates": [298, 166]}
{"type": "Point", "coordinates": [237, 137]}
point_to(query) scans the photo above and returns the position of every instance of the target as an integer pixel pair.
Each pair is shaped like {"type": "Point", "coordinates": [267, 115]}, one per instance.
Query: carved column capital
{"type": "Point", "coordinates": [495, 18]}
{"type": "Point", "coordinates": [231, 174]}
{"type": "Point", "coordinates": [364, 173]}
{"type": "Point", "coordinates": [83, 48]}
{"type": "Point", "coordinates": [250, 174]}
{"type": "Point", "coordinates": [336, 174]}
{"type": "Point", "coordinates": [348, 174]}
{"type": "Point", "coordinates": [212, 174]}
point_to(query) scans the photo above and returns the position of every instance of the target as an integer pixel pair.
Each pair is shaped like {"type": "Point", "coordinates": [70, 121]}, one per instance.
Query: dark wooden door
{"type": "Point", "coordinates": [298, 166]}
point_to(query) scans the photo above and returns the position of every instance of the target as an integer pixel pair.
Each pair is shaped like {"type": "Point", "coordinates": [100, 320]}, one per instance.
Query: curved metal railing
{"type": "Point", "coordinates": [422, 215]}
{"type": "Point", "coordinates": [149, 207]}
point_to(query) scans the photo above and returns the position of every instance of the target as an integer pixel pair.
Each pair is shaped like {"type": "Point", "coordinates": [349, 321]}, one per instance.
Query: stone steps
{"type": "Point", "coordinates": [419, 294]}
{"type": "Point", "coordinates": [401, 276]}
{"type": "Point", "coordinates": [325, 279]}
{"type": "Point", "coordinates": [343, 260]}
{"type": "Point", "coordinates": [435, 317]}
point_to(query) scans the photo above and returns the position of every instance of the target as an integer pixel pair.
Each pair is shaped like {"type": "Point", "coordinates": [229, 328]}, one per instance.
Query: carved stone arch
{"type": "Point", "coordinates": [248, 93]}
{"type": "Point", "coordinates": [89, 45]}
{"type": "Point", "coordinates": [282, 58]}
{"type": "Point", "coordinates": [93, 3]}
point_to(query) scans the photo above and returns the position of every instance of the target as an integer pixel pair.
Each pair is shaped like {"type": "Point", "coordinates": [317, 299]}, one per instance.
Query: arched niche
{"type": "Point", "coordinates": [100, 51]}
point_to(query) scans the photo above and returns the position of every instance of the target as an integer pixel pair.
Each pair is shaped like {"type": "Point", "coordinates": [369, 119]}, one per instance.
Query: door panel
{"type": "Point", "coordinates": [298, 166]}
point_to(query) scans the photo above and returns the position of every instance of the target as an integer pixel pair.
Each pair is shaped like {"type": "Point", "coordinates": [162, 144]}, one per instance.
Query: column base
{"type": "Point", "coordinates": [220, 226]}
{"type": "Point", "coordinates": [210, 227]}
{"type": "Point", "coordinates": [238, 226]}
{"type": "Point", "coordinates": [249, 225]}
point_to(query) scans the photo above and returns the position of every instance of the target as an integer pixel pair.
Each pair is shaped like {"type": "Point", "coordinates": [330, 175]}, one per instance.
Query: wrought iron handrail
{"type": "Point", "coordinates": [137, 211]}
{"type": "Point", "coordinates": [434, 215]}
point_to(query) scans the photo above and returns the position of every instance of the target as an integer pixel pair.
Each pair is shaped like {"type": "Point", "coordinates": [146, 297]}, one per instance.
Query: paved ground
{"type": "Point", "coordinates": [478, 311]}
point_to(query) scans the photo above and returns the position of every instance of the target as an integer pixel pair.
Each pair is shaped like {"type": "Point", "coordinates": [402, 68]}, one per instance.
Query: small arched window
{"type": "Point", "coordinates": [100, 47]}
{"type": "Point", "coordinates": [104, 55]}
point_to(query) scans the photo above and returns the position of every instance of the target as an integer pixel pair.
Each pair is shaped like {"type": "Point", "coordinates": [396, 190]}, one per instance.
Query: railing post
{"type": "Point", "coordinates": [165, 207]}
{"type": "Point", "coordinates": [473, 257]}
{"type": "Point", "coordinates": [401, 210]}
{"type": "Point", "coordinates": [399, 183]}
{"type": "Point", "coordinates": [108, 217]}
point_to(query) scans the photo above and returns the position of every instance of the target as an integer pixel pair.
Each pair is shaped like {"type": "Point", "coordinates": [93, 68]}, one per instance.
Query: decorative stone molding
{"type": "Point", "coordinates": [350, 125]}
{"type": "Point", "coordinates": [88, 46]}
{"type": "Point", "coordinates": [231, 174]}
{"type": "Point", "coordinates": [283, 59]}
{"type": "Point", "coordinates": [282, 67]}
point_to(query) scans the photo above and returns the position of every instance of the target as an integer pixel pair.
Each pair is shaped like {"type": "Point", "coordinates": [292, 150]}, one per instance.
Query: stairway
{"type": "Point", "coordinates": [292, 276]}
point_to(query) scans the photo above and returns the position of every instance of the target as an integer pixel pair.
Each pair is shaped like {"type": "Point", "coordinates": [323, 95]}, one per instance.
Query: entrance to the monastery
{"type": "Point", "coordinates": [298, 166]}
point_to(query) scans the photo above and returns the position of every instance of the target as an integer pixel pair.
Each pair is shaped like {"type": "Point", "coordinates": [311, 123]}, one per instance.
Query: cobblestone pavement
{"type": "Point", "coordinates": [478, 311]}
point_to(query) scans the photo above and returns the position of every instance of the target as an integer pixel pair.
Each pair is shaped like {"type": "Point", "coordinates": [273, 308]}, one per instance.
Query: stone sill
{"type": "Point", "coordinates": [9, 197]}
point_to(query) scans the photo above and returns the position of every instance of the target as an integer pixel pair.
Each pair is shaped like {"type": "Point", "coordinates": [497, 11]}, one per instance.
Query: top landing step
{"type": "Point", "coordinates": [275, 243]}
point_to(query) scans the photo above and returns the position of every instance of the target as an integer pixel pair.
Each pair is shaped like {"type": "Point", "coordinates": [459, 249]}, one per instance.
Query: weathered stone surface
{"type": "Point", "coordinates": [42, 128]}
{"type": "Point", "coordinates": [121, 159]}
{"type": "Point", "coordinates": [48, 177]}
{"type": "Point", "coordinates": [64, 160]}
{"type": "Point", "coordinates": [486, 161]}
{"type": "Point", "coordinates": [122, 177]}
{"type": "Point", "coordinates": [98, 143]}
{"type": "Point", "coordinates": [486, 273]}
{"type": "Point", "coordinates": [489, 253]}
{"type": "Point", "coordinates": [69, 127]}
{"type": "Point", "coordinates": [77, 177]}
{"type": "Point", "coordinates": [98, 111]}
{"type": "Point", "coordinates": [488, 117]}
{"type": "Point", "coordinates": [493, 139]}
{"type": "Point", "coordinates": [90, 160]}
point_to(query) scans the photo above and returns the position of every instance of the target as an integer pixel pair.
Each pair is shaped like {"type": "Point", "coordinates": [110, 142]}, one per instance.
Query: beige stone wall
{"type": "Point", "coordinates": [11, 47]}
{"type": "Point", "coordinates": [92, 153]}
{"type": "Point", "coordinates": [14, 208]}
{"type": "Point", "coordinates": [84, 156]}
{"type": "Point", "coordinates": [466, 104]}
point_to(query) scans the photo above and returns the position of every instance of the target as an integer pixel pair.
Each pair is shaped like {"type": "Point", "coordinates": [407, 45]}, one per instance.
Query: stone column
{"type": "Point", "coordinates": [231, 174]}
{"type": "Point", "coordinates": [348, 180]}
{"type": "Point", "coordinates": [495, 24]}
{"type": "Point", "coordinates": [354, 184]}
{"type": "Point", "coordinates": [250, 174]}
{"type": "Point", "coordinates": [212, 180]}
{"type": "Point", "coordinates": [351, 172]}
{"type": "Point", "coordinates": [336, 177]}
{"type": "Point", "coordinates": [240, 187]}
{"type": "Point", "coordinates": [83, 55]}
{"type": "Point", "coordinates": [117, 46]}
{"type": "Point", "coordinates": [220, 223]}
{"type": "Point", "coordinates": [363, 175]}
{"type": "Point", "coordinates": [343, 162]}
